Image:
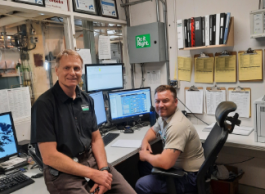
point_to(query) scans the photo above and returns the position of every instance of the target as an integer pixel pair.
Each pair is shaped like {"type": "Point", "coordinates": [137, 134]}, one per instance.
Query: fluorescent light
{"type": "Point", "coordinates": [46, 65]}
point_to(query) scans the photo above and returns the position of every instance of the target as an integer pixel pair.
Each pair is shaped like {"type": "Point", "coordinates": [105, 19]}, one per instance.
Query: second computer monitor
{"type": "Point", "coordinates": [129, 105]}
{"type": "Point", "coordinates": [104, 77]}
{"type": "Point", "coordinates": [99, 107]}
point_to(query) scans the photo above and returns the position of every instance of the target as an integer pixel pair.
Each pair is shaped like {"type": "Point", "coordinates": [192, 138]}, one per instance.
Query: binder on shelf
{"type": "Point", "coordinates": [217, 32]}
{"type": "Point", "coordinates": [180, 31]}
{"type": "Point", "coordinates": [186, 32]}
{"type": "Point", "coordinates": [192, 32]}
{"type": "Point", "coordinates": [203, 31]}
{"type": "Point", "coordinates": [222, 27]}
{"type": "Point", "coordinates": [198, 31]}
{"type": "Point", "coordinates": [250, 65]}
{"type": "Point", "coordinates": [194, 99]}
{"type": "Point", "coordinates": [207, 29]}
{"type": "Point", "coordinates": [227, 22]}
{"type": "Point", "coordinates": [213, 28]}
{"type": "Point", "coordinates": [242, 98]}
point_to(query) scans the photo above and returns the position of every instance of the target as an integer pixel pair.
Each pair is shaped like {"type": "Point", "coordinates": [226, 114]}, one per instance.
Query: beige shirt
{"type": "Point", "coordinates": [177, 132]}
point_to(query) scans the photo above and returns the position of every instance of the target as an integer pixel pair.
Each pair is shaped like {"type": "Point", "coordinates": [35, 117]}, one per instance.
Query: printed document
{"type": "Point", "coordinates": [104, 47]}
{"type": "Point", "coordinates": [194, 101]}
{"type": "Point", "coordinates": [213, 99]}
{"type": "Point", "coordinates": [225, 68]}
{"type": "Point", "coordinates": [125, 143]}
{"type": "Point", "coordinates": [204, 70]}
{"type": "Point", "coordinates": [184, 68]}
{"type": "Point", "coordinates": [242, 101]}
{"type": "Point", "coordinates": [250, 66]}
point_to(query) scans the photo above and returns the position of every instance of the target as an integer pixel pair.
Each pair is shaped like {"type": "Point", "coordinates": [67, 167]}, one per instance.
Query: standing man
{"type": "Point", "coordinates": [64, 126]}
{"type": "Point", "coordinates": [182, 147]}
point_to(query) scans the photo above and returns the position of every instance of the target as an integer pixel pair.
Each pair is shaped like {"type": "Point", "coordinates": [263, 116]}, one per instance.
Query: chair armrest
{"type": "Point", "coordinates": [171, 172]}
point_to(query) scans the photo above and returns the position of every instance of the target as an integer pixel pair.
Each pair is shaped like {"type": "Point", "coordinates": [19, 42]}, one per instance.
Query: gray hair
{"type": "Point", "coordinates": [68, 52]}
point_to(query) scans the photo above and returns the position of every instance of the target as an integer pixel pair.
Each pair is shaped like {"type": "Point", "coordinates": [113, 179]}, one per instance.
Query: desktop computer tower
{"type": "Point", "coordinates": [259, 120]}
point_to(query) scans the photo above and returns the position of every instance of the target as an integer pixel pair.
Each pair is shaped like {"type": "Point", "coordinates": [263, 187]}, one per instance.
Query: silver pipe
{"type": "Point", "coordinates": [132, 74]}
{"type": "Point", "coordinates": [166, 40]}
{"type": "Point", "coordinates": [157, 11]}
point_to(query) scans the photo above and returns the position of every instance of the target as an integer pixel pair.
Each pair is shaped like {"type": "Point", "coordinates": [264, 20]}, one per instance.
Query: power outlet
{"type": "Point", "coordinates": [174, 83]}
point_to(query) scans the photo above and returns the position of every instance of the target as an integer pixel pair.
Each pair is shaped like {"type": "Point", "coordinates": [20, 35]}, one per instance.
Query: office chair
{"type": "Point", "coordinates": [34, 152]}
{"type": "Point", "coordinates": [212, 146]}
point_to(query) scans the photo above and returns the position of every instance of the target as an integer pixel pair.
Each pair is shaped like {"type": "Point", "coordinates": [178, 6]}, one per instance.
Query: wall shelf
{"type": "Point", "coordinates": [230, 40]}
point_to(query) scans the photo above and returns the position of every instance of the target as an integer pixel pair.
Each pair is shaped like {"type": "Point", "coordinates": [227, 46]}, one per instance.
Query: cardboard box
{"type": "Point", "coordinates": [224, 186]}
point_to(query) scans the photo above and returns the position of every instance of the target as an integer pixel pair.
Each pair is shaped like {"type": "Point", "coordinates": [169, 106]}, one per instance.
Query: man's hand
{"type": "Point", "coordinates": [146, 146]}
{"type": "Point", "coordinates": [143, 154]}
{"type": "Point", "coordinates": [101, 190]}
{"type": "Point", "coordinates": [102, 178]}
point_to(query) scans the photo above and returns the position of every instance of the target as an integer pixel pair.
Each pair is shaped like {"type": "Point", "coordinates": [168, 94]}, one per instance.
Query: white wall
{"type": "Point", "coordinates": [240, 9]}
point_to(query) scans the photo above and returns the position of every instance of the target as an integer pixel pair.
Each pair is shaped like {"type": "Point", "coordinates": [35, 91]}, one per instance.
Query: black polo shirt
{"type": "Point", "coordinates": [55, 117]}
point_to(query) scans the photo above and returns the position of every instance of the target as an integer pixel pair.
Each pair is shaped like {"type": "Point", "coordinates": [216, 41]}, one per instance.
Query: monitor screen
{"type": "Point", "coordinates": [129, 104]}
{"type": "Point", "coordinates": [99, 107]}
{"type": "Point", "coordinates": [104, 77]}
{"type": "Point", "coordinates": [8, 139]}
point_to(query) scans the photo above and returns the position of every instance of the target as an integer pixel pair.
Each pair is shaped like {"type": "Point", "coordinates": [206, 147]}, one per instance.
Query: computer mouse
{"type": "Point", "coordinates": [128, 130]}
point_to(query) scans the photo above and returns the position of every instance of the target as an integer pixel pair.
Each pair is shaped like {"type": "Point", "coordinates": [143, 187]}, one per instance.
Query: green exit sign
{"type": "Point", "coordinates": [142, 41]}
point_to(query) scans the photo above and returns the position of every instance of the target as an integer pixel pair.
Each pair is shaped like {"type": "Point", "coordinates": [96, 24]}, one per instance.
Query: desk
{"type": "Point", "coordinates": [115, 155]}
{"type": "Point", "coordinates": [238, 141]}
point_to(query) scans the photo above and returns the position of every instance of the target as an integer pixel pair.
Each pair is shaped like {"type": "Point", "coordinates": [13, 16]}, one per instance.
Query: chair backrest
{"type": "Point", "coordinates": [214, 143]}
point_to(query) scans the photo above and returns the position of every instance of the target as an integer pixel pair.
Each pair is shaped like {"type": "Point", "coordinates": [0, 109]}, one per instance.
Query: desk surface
{"type": "Point", "coordinates": [239, 141]}
{"type": "Point", "coordinates": [116, 155]}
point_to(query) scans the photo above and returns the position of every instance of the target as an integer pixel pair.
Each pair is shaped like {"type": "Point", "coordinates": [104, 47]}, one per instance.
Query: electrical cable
{"type": "Point", "coordinates": [142, 70]}
{"type": "Point", "coordinates": [239, 162]}
{"type": "Point", "coordinates": [192, 112]}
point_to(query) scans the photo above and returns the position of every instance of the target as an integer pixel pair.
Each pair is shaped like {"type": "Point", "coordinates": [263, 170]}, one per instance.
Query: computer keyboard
{"type": "Point", "coordinates": [109, 138]}
{"type": "Point", "coordinates": [13, 182]}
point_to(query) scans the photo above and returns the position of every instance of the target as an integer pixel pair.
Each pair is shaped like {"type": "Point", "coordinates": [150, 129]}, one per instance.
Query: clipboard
{"type": "Point", "coordinates": [226, 53]}
{"type": "Point", "coordinates": [240, 89]}
{"type": "Point", "coordinates": [214, 102]}
{"type": "Point", "coordinates": [194, 89]}
{"type": "Point", "coordinates": [246, 71]}
{"type": "Point", "coordinates": [200, 77]}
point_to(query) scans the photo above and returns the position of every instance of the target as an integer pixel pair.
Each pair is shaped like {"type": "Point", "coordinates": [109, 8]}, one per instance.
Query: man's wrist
{"type": "Point", "coordinates": [105, 168]}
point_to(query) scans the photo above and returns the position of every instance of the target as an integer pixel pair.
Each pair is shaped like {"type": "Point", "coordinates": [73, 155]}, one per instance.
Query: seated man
{"type": "Point", "coordinates": [65, 127]}
{"type": "Point", "coordinates": [182, 146]}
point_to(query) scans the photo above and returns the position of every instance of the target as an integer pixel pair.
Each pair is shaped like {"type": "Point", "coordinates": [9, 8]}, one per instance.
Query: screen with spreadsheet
{"type": "Point", "coordinates": [129, 104]}
{"type": "Point", "coordinates": [99, 107]}
{"type": "Point", "coordinates": [8, 139]}
{"type": "Point", "coordinates": [104, 77]}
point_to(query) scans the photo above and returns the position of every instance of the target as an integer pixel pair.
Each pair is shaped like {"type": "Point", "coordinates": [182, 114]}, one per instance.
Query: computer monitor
{"type": "Point", "coordinates": [104, 77]}
{"type": "Point", "coordinates": [129, 105]}
{"type": "Point", "coordinates": [8, 138]}
{"type": "Point", "coordinates": [99, 107]}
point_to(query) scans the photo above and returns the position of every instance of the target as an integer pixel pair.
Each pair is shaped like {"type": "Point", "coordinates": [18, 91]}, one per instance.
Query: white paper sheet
{"type": "Point", "coordinates": [125, 143]}
{"type": "Point", "coordinates": [109, 61]}
{"type": "Point", "coordinates": [242, 100]}
{"type": "Point", "coordinates": [194, 101]}
{"type": "Point", "coordinates": [4, 101]}
{"type": "Point", "coordinates": [19, 102]}
{"type": "Point", "coordinates": [213, 99]}
{"type": "Point", "coordinates": [238, 130]}
{"type": "Point", "coordinates": [86, 56]}
{"type": "Point", "coordinates": [104, 47]}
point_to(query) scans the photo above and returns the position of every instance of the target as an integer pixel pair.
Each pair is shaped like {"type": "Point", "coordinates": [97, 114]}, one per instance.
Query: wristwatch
{"type": "Point", "coordinates": [105, 168]}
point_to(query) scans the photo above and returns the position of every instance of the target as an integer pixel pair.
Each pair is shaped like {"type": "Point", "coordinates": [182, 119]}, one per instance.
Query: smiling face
{"type": "Point", "coordinates": [69, 72]}
{"type": "Point", "coordinates": [165, 103]}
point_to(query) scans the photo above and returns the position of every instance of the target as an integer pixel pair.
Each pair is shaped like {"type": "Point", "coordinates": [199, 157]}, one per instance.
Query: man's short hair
{"type": "Point", "coordinates": [68, 52]}
{"type": "Point", "coordinates": [163, 88]}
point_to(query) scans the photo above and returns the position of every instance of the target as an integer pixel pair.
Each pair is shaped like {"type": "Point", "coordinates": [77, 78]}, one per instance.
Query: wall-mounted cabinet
{"type": "Point", "coordinates": [257, 26]}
